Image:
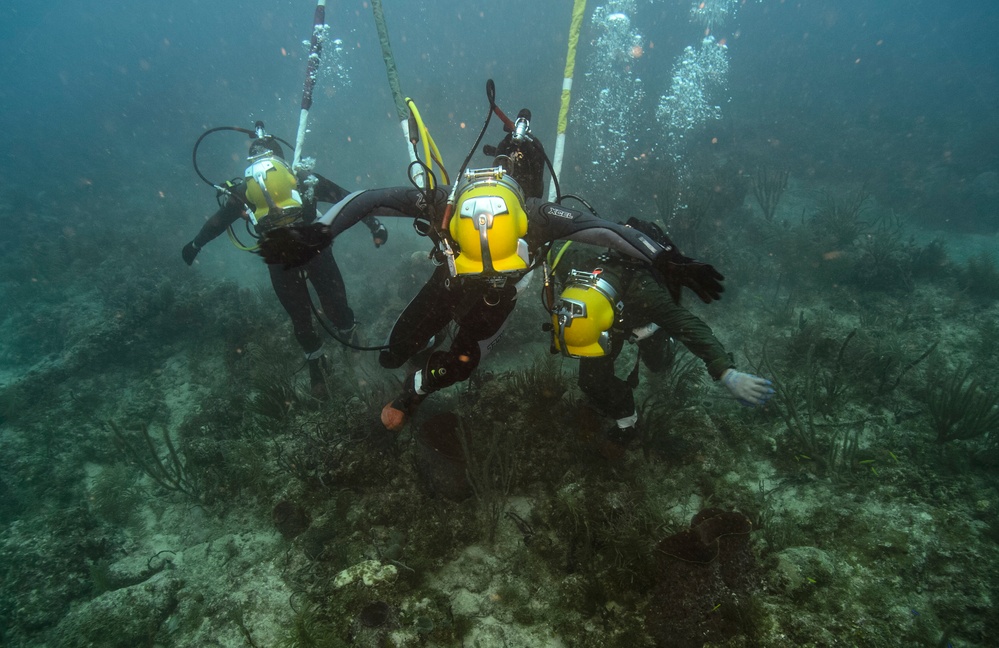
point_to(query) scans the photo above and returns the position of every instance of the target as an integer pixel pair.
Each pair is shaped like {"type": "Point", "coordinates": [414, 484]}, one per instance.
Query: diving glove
{"type": "Point", "coordinates": [678, 271]}
{"type": "Point", "coordinates": [749, 390]}
{"type": "Point", "coordinates": [190, 252]}
{"type": "Point", "coordinates": [396, 413]}
{"type": "Point", "coordinates": [294, 245]}
{"type": "Point", "coordinates": [379, 235]}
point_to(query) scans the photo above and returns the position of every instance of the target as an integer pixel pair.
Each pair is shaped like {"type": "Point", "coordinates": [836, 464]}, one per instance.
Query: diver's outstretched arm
{"type": "Point", "coordinates": [295, 245]}
{"type": "Point", "coordinates": [673, 269]}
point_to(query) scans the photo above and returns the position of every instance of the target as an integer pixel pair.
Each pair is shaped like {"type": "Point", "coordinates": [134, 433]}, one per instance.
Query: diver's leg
{"type": "Point", "coordinates": [611, 395]}
{"type": "Point", "coordinates": [426, 315]}
{"type": "Point", "coordinates": [478, 325]}
{"type": "Point", "coordinates": [293, 293]}
{"type": "Point", "coordinates": [325, 276]}
{"type": "Point", "coordinates": [478, 329]}
{"type": "Point", "coordinates": [657, 351]}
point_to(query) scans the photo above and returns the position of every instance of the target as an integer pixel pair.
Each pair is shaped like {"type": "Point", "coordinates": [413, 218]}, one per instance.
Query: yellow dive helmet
{"type": "Point", "coordinates": [272, 190]}
{"type": "Point", "coordinates": [488, 224]}
{"type": "Point", "coordinates": [583, 315]}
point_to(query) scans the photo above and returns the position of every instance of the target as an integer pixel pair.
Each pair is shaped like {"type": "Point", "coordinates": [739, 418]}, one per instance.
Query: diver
{"type": "Point", "coordinates": [608, 299]}
{"type": "Point", "coordinates": [487, 239]}
{"type": "Point", "coordinates": [272, 196]}
{"type": "Point", "coordinates": [522, 153]}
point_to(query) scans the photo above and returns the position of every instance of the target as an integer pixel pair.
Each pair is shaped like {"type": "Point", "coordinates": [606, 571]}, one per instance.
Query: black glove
{"type": "Point", "coordinates": [189, 252]}
{"type": "Point", "coordinates": [380, 235]}
{"type": "Point", "coordinates": [294, 245]}
{"type": "Point", "coordinates": [678, 271]}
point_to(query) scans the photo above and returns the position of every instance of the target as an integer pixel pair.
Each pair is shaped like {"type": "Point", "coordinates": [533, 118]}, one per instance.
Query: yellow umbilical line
{"type": "Point", "coordinates": [578, 11]}
{"type": "Point", "coordinates": [437, 159]}
{"type": "Point", "coordinates": [558, 257]}
{"type": "Point", "coordinates": [430, 151]}
{"type": "Point", "coordinates": [235, 241]}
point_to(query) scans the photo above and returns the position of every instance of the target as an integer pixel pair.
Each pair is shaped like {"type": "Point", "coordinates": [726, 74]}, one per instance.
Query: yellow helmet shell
{"type": "Point", "coordinates": [272, 190]}
{"type": "Point", "coordinates": [584, 313]}
{"type": "Point", "coordinates": [489, 223]}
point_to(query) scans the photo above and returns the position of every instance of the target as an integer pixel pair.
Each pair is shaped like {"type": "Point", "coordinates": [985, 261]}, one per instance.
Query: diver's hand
{"type": "Point", "coordinates": [379, 235]}
{"type": "Point", "coordinates": [678, 271]}
{"type": "Point", "coordinates": [190, 252]}
{"type": "Point", "coordinates": [294, 245]}
{"type": "Point", "coordinates": [750, 390]}
{"type": "Point", "coordinates": [703, 279]}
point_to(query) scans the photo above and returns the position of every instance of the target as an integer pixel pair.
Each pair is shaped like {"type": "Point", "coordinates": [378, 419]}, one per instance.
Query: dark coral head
{"type": "Point", "coordinates": [290, 518]}
{"type": "Point", "coordinates": [374, 614]}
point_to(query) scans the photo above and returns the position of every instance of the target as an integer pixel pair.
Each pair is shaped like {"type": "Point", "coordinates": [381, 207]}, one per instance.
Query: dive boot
{"type": "Point", "coordinates": [318, 369]}
{"type": "Point", "coordinates": [350, 337]}
{"type": "Point", "coordinates": [616, 440]}
{"type": "Point", "coordinates": [622, 436]}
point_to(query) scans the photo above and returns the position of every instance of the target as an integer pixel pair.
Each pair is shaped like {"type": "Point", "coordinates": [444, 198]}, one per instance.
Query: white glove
{"type": "Point", "coordinates": [750, 390]}
{"type": "Point", "coordinates": [642, 332]}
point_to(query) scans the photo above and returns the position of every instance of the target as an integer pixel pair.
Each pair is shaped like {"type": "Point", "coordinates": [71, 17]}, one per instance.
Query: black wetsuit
{"type": "Point", "coordinates": [479, 309]}
{"type": "Point", "coordinates": [290, 284]}
{"type": "Point", "coordinates": [528, 161]}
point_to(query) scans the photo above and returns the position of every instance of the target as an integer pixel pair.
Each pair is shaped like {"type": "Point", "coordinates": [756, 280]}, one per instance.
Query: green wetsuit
{"type": "Point", "coordinates": [645, 302]}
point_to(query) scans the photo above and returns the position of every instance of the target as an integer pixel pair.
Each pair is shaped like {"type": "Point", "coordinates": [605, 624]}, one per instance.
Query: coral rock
{"type": "Point", "coordinates": [369, 572]}
{"type": "Point", "coordinates": [707, 571]}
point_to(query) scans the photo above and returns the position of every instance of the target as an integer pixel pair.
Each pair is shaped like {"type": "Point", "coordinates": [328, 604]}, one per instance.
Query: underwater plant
{"type": "Point", "coordinates": [986, 347]}
{"type": "Point", "coordinates": [169, 471]}
{"type": "Point", "coordinates": [839, 219]}
{"type": "Point", "coordinates": [931, 261]}
{"type": "Point", "coordinates": [831, 444]}
{"type": "Point", "coordinates": [886, 261]}
{"type": "Point", "coordinates": [882, 357]}
{"type": "Point", "coordinates": [961, 407]}
{"type": "Point", "coordinates": [307, 630]}
{"type": "Point", "coordinates": [312, 452]}
{"type": "Point", "coordinates": [440, 457]}
{"type": "Point", "coordinates": [768, 187]}
{"type": "Point", "coordinates": [676, 389]}
{"type": "Point", "coordinates": [275, 399]}
{"type": "Point", "coordinates": [540, 386]}
{"type": "Point", "coordinates": [492, 461]}
{"type": "Point", "coordinates": [980, 278]}
{"type": "Point", "coordinates": [113, 495]}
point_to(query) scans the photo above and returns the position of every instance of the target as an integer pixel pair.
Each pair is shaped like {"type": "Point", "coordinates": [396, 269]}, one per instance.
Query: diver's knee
{"type": "Point", "coordinates": [390, 360]}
